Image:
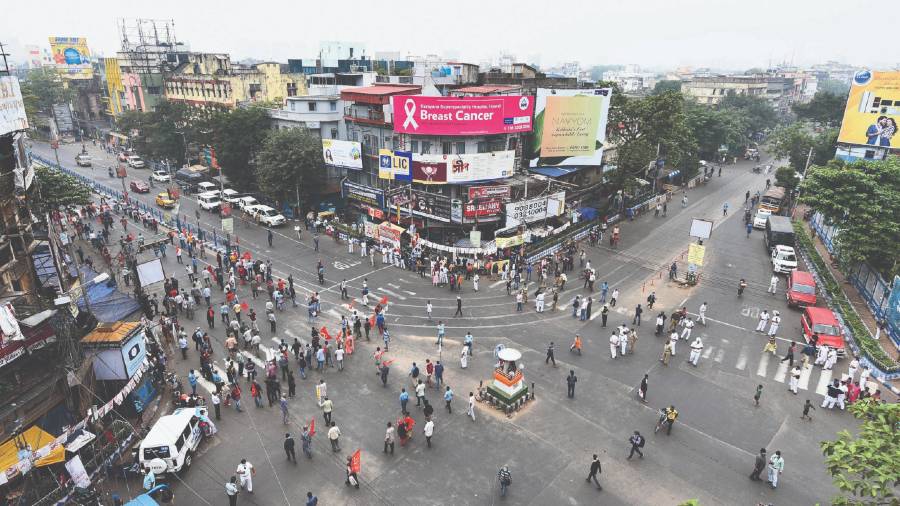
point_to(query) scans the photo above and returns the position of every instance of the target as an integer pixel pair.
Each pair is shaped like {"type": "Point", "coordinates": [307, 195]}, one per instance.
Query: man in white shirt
{"type": "Point", "coordinates": [696, 349]}
{"type": "Point", "coordinates": [773, 283]}
{"type": "Point", "coordinates": [245, 472]}
{"type": "Point", "coordinates": [429, 431]}
{"type": "Point", "coordinates": [702, 317]}
{"type": "Point", "coordinates": [688, 327]}
{"type": "Point", "coordinates": [613, 343]}
{"type": "Point", "coordinates": [763, 321]}
{"type": "Point", "coordinates": [776, 320]}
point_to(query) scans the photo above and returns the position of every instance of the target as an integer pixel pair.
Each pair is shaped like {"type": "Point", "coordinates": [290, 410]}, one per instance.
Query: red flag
{"type": "Point", "coordinates": [355, 462]}
{"type": "Point", "coordinates": [312, 427]}
{"type": "Point", "coordinates": [372, 320]}
{"type": "Point", "coordinates": [384, 301]}
{"type": "Point", "coordinates": [324, 332]}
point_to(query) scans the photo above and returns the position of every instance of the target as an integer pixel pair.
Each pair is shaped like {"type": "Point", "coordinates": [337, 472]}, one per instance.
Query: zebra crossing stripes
{"type": "Point", "coordinates": [763, 365]}
{"type": "Point", "coordinates": [805, 374]}
{"type": "Point", "coordinates": [741, 363]}
{"type": "Point", "coordinates": [781, 372]}
{"type": "Point", "coordinates": [824, 381]}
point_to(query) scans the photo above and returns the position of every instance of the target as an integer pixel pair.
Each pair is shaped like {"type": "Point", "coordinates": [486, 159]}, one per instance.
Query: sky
{"type": "Point", "coordinates": [656, 34]}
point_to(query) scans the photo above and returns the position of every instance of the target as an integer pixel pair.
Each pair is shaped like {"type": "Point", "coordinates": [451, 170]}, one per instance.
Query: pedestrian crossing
{"type": "Point", "coordinates": [770, 366]}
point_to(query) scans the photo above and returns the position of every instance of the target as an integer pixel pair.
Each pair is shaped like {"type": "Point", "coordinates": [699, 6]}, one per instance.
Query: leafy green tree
{"type": "Point", "coordinates": [713, 128]}
{"type": "Point", "coordinates": [237, 137]}
{"type": "Point", "coordinates": [787, 178]}
{"type": "Point", "coordinates": [666, 85]}
{"type": "Point", "coordinates": [862, 200]}
{"type": "Point", "coordinates": [794, 142]}
{"type": "Point", "coordinates": [290, 163]}
{"type": "Point", "coordinates": [167, 132]}
{"type": "Point", "coordinates": [41, 90]}
{"type": "Point", "coordinates": [865, 468]}
{"type": "Point", "coordinates": [757, 112]}
{"type": "Point", "coordinates": [58, 189]}
{"type": "Point", "coordinates": [825, 108]}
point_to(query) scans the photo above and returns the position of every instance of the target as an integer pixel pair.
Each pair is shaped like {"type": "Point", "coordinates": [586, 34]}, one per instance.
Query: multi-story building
{"type": "Point", "coordinates": [711, 90]}
{"type": "Point", "coordinates": [149, 51]}
{"type": "Point", "coordinates": [211, 80]}
{"type": "Point", "coordinates": [631, 79]}
{"type": "Point", "coordinates": [526, 76]}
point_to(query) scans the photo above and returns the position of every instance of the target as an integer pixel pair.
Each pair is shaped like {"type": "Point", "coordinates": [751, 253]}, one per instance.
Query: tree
{"type": "Point", "coordinates": [713, 128]}
{"type": "Point", "coordinates": [666, 85]}
{"type": "Point", "coordinates": [290, 163]}
{"type": "Point", "coordinates": [825, 108]}
{"type": "Point", "coordinates": [58, 189]}
{"type": "Point", "coordinates": [757, 112]}
{"type": "Point", "coordinates": [862, 200]}
{"type": "Point", "coordinates": [42, 89]}
{"type": "Point", "coordinates": [237, 137]}
{"type": "Point", "coordinates": [787, 178]}
{"type": "Point", "coordinates": [865, 468]}
{"type": "Point", "coordinates": [794, 142]}
{"type": "Point", "coordinates": [167, 132]}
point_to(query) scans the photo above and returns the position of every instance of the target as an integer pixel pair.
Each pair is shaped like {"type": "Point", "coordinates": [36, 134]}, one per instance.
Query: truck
{"type": "Point", "coordinates": [779, 231]}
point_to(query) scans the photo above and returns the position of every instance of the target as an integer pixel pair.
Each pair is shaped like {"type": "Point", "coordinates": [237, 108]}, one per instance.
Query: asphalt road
{"type": "Point", "coordinates": [548, 445]}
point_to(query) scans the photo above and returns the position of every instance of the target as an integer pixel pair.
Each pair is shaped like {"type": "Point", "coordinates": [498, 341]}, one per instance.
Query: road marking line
{"type": "Point", "coordinates": [805, 374]}
{"type": "Point", "coordinates": [254, 358]}
{"type": "Point", "coordinates": [781, 373]}
{"type": "Point", "coordinates": [720, 355]}
{"type": "Point", "coordinates": [824, 381]}
{"type": "Point", "coordinates": [411, 293]}
{"type": "Point", "coordinates": [391, 293]}
{"type": "Point", "coordinates": [394, 286]}
{"type": "Point", "coordinates": [498, 283]}
{"type": "Point", "coordinates": [763, 365]}
{"type": "Point", "coordinates": [742, 359]}
{"type": "Point", "coordinates": [708, 351]}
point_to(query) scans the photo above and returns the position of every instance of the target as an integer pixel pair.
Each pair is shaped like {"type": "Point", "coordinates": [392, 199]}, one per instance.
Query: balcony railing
{"type": "Point", "coordinates": [363, 115]}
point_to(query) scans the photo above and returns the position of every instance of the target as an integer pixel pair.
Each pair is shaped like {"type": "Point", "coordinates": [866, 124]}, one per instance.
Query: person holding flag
{"type": "Point", "coordinates": [306, 437]}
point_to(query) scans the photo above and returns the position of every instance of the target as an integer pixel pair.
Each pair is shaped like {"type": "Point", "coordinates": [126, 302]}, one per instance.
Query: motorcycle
{"type": "Point", "coordinates": [757, 169]}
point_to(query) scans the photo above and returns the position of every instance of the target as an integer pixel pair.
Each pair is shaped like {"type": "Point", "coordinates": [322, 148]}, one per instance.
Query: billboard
{"type": "Point", "coordinates": [344, 154]}
{"type": "Point", "coordinates": [527, 211]}
{"type": "Point", "coordinates": [462, 115]}
{"type": "Point", "coordinates": [71, 57]}
{"type": "Point", "coordinates": [464, 168]}
{"type": "Point", "coordinates": [873, 110]}
{"type": "Point", "coordinates": [430, 205]}
{"type": "Point", "coordinates": [364, 194]}
{"type": "Point", "coordinates": [480, 192]}
{"type": "Point", "coordinates": [133, 353]}
{"type": "Point", "coordinates": [483, 208]}
{"type": "Point", "coordinates": [569, 126]}
{"type": "Point", "coordinates": [12, 107]}
{"type": "Point", "coordinates": [394, 165]}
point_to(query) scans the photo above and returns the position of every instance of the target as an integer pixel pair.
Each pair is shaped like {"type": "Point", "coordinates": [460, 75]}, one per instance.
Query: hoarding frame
{"type": "Point", "coordinates": [456, 116]}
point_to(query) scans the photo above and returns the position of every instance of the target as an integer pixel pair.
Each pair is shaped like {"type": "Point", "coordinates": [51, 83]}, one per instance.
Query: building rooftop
{"type": "Point", "coordinates": [110, 333]}
{"type": "Point", "coordinates": [384, 90]}
{"type": "Point", "coordinates": [487, 89]}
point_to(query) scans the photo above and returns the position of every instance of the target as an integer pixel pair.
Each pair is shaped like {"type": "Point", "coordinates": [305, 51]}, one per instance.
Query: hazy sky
{"type": "Point", "coordinates": [728, 34]}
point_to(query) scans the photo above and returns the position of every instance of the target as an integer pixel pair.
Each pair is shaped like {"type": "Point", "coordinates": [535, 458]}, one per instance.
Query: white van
{"type": "Point", "coordinates": [170, 445]}
{"type": "Point", "coordinates": [206, 187]}
{"type": "Point", "coordinates": [209, 201]}
{"type": "Point", "coordinates": [784, 259]}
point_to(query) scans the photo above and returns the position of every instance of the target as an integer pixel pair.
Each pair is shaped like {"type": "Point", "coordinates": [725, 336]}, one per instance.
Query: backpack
{"type": "Point", "coordinates": [641, 442]}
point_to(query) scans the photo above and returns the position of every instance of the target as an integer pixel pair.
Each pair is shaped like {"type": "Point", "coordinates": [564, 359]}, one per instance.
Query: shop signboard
{"type": "Point", "coordinates": [420, 115]}
{"type": "Point", "coordinates": [527, 211]}
{"type": "Point", "coordinates": [464, 168]}
{"type": "Point", "coordinates": [12, 106]}
{"type": "Point", "coordinates": [364, 194]}
{"type": "Point", "coordinates": [430, 205]}
{"type": "Point", "coordinates": [480, 192]}
{"type": "Point", "coordinates": [346, 154]}
{"type": "Point", "coordinates": [395, 165]}
{"type": "Point", "coordinates": [483, 208]}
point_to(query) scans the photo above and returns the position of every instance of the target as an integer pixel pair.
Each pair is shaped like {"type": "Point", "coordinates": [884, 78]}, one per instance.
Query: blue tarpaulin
{"type": "Point", "coordinates": [554, 171]}
{"type": "Point", "coordinates": [107, 303]}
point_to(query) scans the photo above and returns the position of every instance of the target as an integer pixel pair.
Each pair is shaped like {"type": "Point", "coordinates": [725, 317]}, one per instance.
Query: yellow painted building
{"type": "Point", "coordinates": [211, 80]}
{"type": "Point", "coordinates": [115, 89]}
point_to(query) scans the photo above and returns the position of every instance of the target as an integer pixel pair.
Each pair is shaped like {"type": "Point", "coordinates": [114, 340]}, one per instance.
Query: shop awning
{"type": "Point", "coordinates": [35, 438]}
{"type": "Point", "coordinates": [117, 135]}
{"type": "Point", "coordinates": [554, 171]}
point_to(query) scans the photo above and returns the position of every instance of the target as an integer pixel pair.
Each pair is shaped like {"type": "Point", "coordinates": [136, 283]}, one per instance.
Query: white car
{"type": "Point", "coordinates": [784, 259]}
{"type": "Point", "coordinates": [209, 201]}
{"type": "Point", "coordinates": [245, 203]}
{"type": "Point", "coordinates": [160, 176]}
{"type": "Point", "coordinates": [230, 196]}
{"type": "Point", "coordinates": [266, 216]}
{"type": "Point", "coordinates": [759, 221]}
{"type": "Point", "coordinates": [135, 162]}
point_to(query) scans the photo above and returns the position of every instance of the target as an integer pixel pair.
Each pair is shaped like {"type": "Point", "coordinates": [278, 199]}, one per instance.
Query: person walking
{"type": "Point", "coordinates": [604, 313]}
{"type": "Point", "coordinates": [448, 398]}
{"type": "Point", "coordinates": [389, 438]}
{"type": "Point", "coordinates": [289, 448]}
{"type": "Point", "coordinates": [757, 394]}
{"type": "Point", "coordinates": [758, 465]}
{"type": "Point", "coordinates": [637, 442]}
{"type": "Point", "coordinates": [404, 399]}
{"type": "Point", "coordinates": [637, 316]}
{"type": "Point", "coordinates": [776, 467]}
{"type": "Point", "coordinates": [688, 328]}
{"type": "Point", "coordinates": [651, 299]}
{"type": "Point", "coordinates": [428, 429]}
{"type": "Point", "coordinates": [701, 318]}
{"type": "Point", "coordinates": [613, 297]}
{"type": "Point", "coordinates": [776, 321]}
{"type": "Point", "coordinates": [283, 404]}
{"type": "Point", "coordinates": [232, 490]}
{"type": "Point", "coordinates": [642, 389]}
{"type": "Point", "coordinates": [470, 408]}
{"type": "Point", "coordinates": [217, 404]}
{"type": "Point", "coordinates": [594, 472]}
{"type": "Point", "coordinates": [696, 349]}
{"type": "Point", "coordinates": [794, 380]}
{"type": "Point", "coordinates": [245, 472]}
{"type": "Point", "coordinates": [806, 407]}
{"type": "Point", "coordinates": [306, 442]}
{"type": "Point", "coordinates": [505, 479]}
{"type": "Point", "coordinates": [789, 356]}
{"type": "Point", "coordinates": [327, 409]}
{"type": "Point", "coordinates": [550, 356]}
{"type": "Point", "coordinates": [763, 320]}
{"type": "Point", "coordinates": [773, 284]}
{"type": "Point", "coordinates": [311, 500]}
{"type": "Point", "coordinates": [334, 435]}
{"type": "Point", "coordinates": [459, 311]}
{"type": "Point", "coordinates": [571, 379]}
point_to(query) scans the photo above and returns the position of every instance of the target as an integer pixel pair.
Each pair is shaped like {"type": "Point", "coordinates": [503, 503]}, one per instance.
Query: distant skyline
{"type": "Point", "coordinates": [720, 34]}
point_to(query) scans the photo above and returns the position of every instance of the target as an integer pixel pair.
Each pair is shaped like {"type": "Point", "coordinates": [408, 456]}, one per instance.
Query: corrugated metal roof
{"type": "Point", "coordinates": [110, 333]}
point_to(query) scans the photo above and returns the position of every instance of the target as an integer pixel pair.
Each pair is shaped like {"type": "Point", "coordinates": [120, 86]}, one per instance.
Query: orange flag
{"type": "Point", "coordinates": [384, 300]}
{"type": "Point", "coordinates": [312, 427]}
{"type": "Point", "coordinates": [325, 333]}
{"type": "Point", "coordinates": [355, 462]}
